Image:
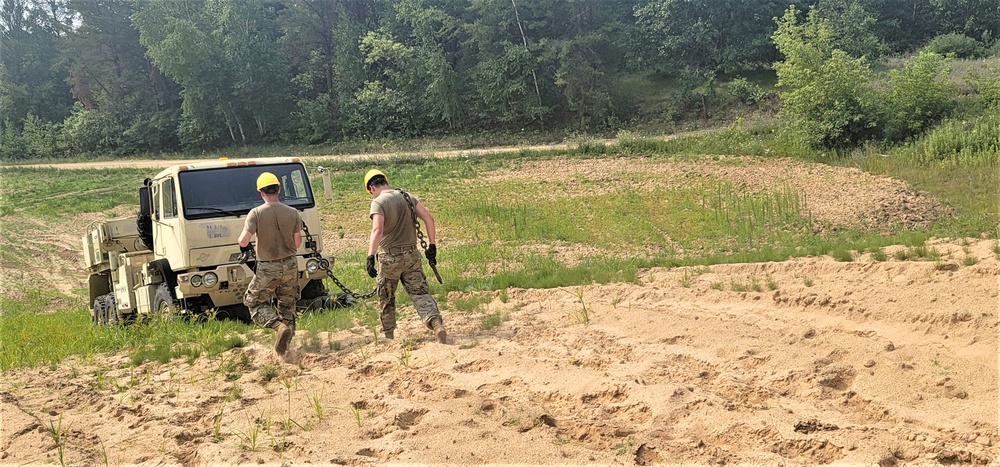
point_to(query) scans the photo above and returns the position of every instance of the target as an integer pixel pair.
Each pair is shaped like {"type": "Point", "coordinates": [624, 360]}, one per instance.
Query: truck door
{"type": "Point", "coordinates": [165, 227]}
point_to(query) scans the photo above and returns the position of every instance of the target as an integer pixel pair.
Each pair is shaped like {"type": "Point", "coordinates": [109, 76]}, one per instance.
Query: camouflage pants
{"type": "Point", "coordinates": [277, 279]}
{"type": "Point", "coordinates": [408, 269]}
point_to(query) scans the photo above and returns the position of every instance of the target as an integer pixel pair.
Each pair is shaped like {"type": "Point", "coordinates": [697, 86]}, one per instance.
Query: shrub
{"type": "Point", "coordinates": [956, 45]}
{"type": "Point", "coordinates": [748, 93]}
{"type": "Point", "coordinates": [828, 97]}
{"type": "Point", "coordinates": [41, 138]}
{"type": "Point", "coordinates": [918, 96]}
{"type": "Point", "coordinates": [91, 131]}
{"type": "Point", "coordinates": [988, 88]}
{"type": "Point", "coordinates": [12, 145]}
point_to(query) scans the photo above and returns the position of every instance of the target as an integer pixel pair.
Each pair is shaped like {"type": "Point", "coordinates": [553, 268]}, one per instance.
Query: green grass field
{"type": "Point", "coordinates": [499, 232]}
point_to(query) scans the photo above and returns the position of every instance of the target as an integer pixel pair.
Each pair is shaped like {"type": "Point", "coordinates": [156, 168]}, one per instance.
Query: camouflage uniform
{"type": "Point", "coordinates": [273, 278]}
{"type": "Point", "coordinates": [403, 265]}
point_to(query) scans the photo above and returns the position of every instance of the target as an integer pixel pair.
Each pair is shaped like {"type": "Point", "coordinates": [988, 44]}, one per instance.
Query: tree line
{"type": "Point", "coordinates": [129, 76]}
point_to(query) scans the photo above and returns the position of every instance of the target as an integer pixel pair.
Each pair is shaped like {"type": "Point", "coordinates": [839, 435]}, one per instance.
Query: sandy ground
{"type": "Point", "coordinates": [830, 362]}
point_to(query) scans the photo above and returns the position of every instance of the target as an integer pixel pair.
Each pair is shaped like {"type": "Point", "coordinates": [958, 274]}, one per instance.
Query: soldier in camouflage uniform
{"type": "Point", "coordinates": [394, 233]}
{"type": "Point", "coordinates": [279, 234]}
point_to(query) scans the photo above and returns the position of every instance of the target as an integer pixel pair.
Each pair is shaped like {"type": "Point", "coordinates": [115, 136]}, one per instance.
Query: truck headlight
{"type": "Point", "coordinates": [312, 266]}
{"type": "Point", "coordinates": [211, 279]}
{"type": "Point", "coordinates": [196, 281]}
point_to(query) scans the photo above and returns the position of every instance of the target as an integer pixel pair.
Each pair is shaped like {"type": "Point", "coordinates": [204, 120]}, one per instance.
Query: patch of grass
{"type": "Point", "coordinates": [494, 320]}
{"type": "Point", "coordinates": [902, 255]}
{"type": "Point", "coordinates": [471, 302]}
{"type": "Point", "coordinates": [250, 437]}
{"type": "Point", "coordinates": [879, 255]}
{"type": "Point", "coordinates": [333, 320]}
{"type": "Point", "coordinates": [690, 273]}
{"type": "Point", "coordinates": [749, 285]}
{"type": "Point", "coordinates": [406, 357]}
{"type": "Point", "coordinates": [235, 392]}
{"type": "Point", "coordinates": [969, 260]}
{"type": "Point", "coordinates": [842, 254]}
{"type": "Point", "coordinates": [316, 402]}
{"type": "Point", "coordinates": [582, 315]}
{"type": "Point", "coordinates": [55, 430]}
{"type": "Point", "coordinates": [926, 253]}
{"type": "Point", "coordinates": [772, 284]}
{"type": "Point", "coordinates": [268, 372]}
{"type": "Point", "coordinates": [217, 424]}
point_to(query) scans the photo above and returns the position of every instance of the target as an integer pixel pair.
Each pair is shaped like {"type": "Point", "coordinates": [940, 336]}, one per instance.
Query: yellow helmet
{"type": "Point", "coordinates": [266, 179]}
{"type": "Point", "coordinates": [372, 174]}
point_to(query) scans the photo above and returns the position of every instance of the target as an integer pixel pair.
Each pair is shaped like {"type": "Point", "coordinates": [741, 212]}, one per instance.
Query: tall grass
{"type": "Point", "coordinates": [31, 336]}
{"type": "Point", "coordinates": [959, 163]}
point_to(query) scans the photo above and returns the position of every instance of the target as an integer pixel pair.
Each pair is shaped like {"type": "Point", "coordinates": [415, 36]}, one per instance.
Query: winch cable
{"type": "Point", "coordinates": [325, 265]}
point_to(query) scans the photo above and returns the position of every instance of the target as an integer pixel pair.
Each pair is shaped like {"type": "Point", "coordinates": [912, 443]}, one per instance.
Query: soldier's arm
{"type": "Point", "coordinates": [428, 219]}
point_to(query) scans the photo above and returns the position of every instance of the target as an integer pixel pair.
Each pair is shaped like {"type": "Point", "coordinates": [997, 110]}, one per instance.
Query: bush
{"type": "Point", "coordinates": [835, 107]}
{"type": "Point", "coordinates": [918, 96]}
{"type": "Point", "coordinates": [828, 100]}
{"type": "Point", "coordinates": [956, 45]}
{"type": "Point", "coordinates": [748, 93]}
{"type": "Point", "coordinates": [988, 88]}
{"type": "Point", "coordinates": [91, 131]}
{"type": "Point", "coordinates": [41, 138]}
{"type": "Point", "coordinates": [12, 145]}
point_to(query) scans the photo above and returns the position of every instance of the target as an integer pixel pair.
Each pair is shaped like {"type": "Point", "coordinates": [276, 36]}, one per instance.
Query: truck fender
{"type": "Point", "coordinates": [100, 284]}
{"type": "Point", "coordinates": [163, 266]}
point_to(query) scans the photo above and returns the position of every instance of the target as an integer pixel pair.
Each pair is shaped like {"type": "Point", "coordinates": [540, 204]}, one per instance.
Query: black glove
{"type": "Point", "coordinates": [432, 254]}
{"type": "Point", "coordinates": [372, 272]}
{"type": "Point", "coordinates": [247, 254]}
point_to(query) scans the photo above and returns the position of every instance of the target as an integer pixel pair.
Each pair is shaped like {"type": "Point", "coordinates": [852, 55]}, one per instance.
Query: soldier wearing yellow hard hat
{"type": "Point", "coordinates": [395, 232]}
{"type": "Point", "coordinates": [278, 228]}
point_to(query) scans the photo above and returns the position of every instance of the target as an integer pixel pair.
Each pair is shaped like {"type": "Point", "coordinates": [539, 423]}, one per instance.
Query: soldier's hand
{"type": "Point", "coordinates": [247, 254]}
{"type": "Point", "coordinates": [370, 266]}
{"type": "Point", "coordinates": [432, 254]}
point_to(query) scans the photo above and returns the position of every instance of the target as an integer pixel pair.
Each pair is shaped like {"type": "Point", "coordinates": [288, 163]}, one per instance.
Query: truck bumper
{"type": "Point", "coordinates": [227, 284]}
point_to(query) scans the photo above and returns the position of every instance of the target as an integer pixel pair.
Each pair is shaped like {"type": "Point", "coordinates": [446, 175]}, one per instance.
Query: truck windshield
{"type": "Point", "coordinates": [232, 191]}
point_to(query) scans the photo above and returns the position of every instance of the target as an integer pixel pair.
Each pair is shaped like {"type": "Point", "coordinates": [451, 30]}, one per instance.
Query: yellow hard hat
{"type": "Point", "coordinates": [266, 179]}
{"type": "Point", "coordinates": [372, 174]}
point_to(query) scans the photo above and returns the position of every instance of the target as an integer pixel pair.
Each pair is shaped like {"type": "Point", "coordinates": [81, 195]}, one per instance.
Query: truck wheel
{"type": "Point", "coordinates": [95, 312]}
{"type": "Point", "coordinates": [163, 302]}
{"type": "Point", "coordinates": [105, 311]}
{"type": "Point", "coordinates": [313, 289]}
{"type": "Point", "coordinates": [235, 312]}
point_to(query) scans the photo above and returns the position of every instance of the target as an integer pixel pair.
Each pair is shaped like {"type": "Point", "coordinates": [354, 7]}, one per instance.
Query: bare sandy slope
{"type": "Point", "coordinates": [873, 363]}
{"type": "Point", "coordinates": [863, 362]}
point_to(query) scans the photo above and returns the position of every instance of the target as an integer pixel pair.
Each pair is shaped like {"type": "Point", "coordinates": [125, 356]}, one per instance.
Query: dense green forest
{"type": "Point", "coordinates": [120, 77]}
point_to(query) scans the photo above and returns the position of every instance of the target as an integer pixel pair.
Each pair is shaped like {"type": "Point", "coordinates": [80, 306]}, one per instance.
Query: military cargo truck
{"type": "Point", "coordinates": [180, 252]}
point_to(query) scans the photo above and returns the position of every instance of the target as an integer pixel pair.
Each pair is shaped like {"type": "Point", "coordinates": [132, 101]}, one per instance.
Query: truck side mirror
{"type": "Point", "coordinates": [145, 201]}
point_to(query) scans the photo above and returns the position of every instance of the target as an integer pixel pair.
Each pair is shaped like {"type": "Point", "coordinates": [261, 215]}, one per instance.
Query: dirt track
{"type": "Point", "coordinates": [887, 363]}
{"type": "Point", "coordinates": [155, 163]}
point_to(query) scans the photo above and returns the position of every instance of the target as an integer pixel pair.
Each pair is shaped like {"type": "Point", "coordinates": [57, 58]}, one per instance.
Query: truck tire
{"type": "Point", "coordinates": [163, 302]}
{"type": "Point", "coordinates": [238, 312]}
{"type": "Point", "coordinates": [313, 289]}
{"type": "Point", "coordinates": [105, 311]}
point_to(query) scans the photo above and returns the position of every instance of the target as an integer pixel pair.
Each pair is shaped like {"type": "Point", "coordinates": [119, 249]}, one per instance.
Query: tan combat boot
{"type": "Point", "coordinates": [439, 330]}
{"type": "Point", "coordinates": [284, 336]}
